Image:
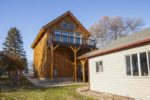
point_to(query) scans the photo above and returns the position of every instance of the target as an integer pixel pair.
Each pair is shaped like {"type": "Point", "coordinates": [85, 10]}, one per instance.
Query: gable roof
{"type": "Point", "coordinates": [135, 39]}
{"type": "Point", "coordinates": [44, 28]}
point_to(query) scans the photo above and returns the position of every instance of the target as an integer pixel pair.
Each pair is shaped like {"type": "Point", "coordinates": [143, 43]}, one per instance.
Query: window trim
{"type": "Point", "coordinates": [139, 64]}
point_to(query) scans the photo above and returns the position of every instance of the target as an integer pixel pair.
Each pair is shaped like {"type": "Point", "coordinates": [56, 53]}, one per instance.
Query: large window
{"type": "Point", "coordinates": [78, 38]}
{"type": "Point", "coordinates": [99, 66]}
{"type": "Point", "coordinates": [57, 35]}
{"type": "Point", "coordinates": [65, 36]}
{"type": "Point", "coordinates": [71, 37]}
{"type": "Point", "coordinates": [138, 64]}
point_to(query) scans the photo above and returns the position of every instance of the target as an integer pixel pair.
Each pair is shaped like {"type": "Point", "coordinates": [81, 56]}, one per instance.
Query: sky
{"type": "Point", "coordinates": [30, 15]}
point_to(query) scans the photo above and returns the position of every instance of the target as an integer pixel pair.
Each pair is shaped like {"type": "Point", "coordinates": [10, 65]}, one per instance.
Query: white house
{"type": "Point", "coordinates": [122, 67]}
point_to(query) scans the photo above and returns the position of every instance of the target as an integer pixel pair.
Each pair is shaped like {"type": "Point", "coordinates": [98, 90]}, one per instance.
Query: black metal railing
{"type": "Point", "coordinates": [65, 39]}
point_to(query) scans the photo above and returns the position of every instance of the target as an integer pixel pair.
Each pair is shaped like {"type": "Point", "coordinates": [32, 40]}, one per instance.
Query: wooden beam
{"type": "Point", "coordinates": [83, 61]}
{"type": "Point", "coordinates": [52, 60]}
{"type": "Point", "coordinates": [75, 50]}
{"type": "Point", "coordinates": [56, 47]}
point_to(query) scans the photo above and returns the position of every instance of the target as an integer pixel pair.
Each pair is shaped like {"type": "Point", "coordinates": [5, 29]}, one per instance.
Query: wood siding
{"type": "Point", "coordinates": [40, 57]}
{"type": "Point", "coordinates": [114, 79]}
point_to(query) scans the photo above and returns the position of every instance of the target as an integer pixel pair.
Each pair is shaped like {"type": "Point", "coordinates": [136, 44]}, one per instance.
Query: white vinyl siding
{"type": "Point", "coordinates": [115, 80]}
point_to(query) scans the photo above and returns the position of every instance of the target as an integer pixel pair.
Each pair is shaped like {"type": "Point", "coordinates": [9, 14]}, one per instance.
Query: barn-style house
{"type": "Point", "coordinates": [57, 46]}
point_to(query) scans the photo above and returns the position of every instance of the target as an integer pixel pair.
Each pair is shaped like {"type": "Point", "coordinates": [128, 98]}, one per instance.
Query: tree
{"type": "Point", "coordinates": [13, 47]}
{"type": "Point", "coordinates": [134, 24]}
{"type": "Point", "coordinates": [108, 29]}
{"type": "Point", "coordinates": [13, 44]}
{"type": "Point", "coordinates": [11, 64]}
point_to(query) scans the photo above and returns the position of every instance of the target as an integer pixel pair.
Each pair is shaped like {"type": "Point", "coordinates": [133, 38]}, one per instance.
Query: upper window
{"type": "Point", "coordinates": [99, 66]}
{"type": "Point", "coordinates": [71, 26]}
{"type": "Point", "coordinates": [64, 25]}
{"type": "Point", "coordinates": [68, 26]}
{"type": "Point", "coordinates": [138, 64]}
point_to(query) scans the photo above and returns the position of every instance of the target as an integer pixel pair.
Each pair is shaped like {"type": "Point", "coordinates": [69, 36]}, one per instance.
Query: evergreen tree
{"type": "Point", "coordinates": [13, 45]}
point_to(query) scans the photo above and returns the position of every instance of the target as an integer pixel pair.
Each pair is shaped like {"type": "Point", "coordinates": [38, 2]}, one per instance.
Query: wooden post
{"type": "Point", "coordinates": [52, 59]}
{"type": "Point", "coordinates": [83, 61]}
{"type": "Point", "coordinates": [75, 50]}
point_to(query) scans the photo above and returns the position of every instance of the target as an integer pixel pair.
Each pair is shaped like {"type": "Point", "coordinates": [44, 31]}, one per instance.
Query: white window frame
{"type": "Point", "coordinates": [139, 64]}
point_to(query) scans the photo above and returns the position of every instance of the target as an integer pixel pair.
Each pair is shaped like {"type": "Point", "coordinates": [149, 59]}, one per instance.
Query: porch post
{"type": "Point", "coordinates": [75, 50]}
{"type": "Point", "coordinates": [52, 60]}
{"type": "Point", "coordinates": [83, 61]}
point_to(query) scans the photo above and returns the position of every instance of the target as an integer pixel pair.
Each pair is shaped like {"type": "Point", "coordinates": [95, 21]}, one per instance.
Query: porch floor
{"type": "Point", "coordinates": [48, 83]}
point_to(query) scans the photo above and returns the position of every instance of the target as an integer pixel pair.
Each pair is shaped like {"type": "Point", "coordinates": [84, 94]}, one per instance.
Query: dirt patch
{"type": "Point", "coordinates": [99, 95]}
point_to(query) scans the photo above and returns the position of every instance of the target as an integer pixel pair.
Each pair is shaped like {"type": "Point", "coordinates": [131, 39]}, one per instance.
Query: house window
{"type": "Point", "coordinates": [71, 37]}
{"type": "Point", "coordinates": [71, 26]}
{"type": "Point", "coordinates": [57, 35]}
{"type": "Point", "coordinates": [99, 66]}
{"type": "Point", "coordinates": [64, 25]}
{"type": "Point", "coordinates": [138, 64]}
{"type": "Point", "coordinates": [135, 65]}
{"type": "Point", "coordinates": [78, 38]}
{"type": "Point", "coordinates": [65, 36]}
{"type": "Point", "coordinates": [128, 65]}
{"type": "Point", "coordinates": [143, 64]}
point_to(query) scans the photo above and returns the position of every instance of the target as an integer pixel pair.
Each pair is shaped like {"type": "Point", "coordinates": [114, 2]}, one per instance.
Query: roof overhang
{"type": "Point", "coordinates": [117, 49]}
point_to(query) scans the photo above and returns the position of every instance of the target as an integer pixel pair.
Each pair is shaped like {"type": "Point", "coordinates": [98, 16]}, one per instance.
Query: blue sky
{"type": "Point", "coordinates": [30, 15]}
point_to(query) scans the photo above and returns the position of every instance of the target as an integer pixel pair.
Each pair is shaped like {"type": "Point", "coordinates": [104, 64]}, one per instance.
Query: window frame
{"type": "Point", "coordinates": [139, 64]}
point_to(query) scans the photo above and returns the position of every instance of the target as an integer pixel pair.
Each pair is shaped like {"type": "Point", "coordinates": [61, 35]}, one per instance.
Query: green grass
{"type": "Point", "coordinates": [27, 91]}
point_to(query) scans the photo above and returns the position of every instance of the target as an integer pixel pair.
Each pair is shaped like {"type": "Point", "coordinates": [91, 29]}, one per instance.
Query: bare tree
{"type": "Point", "coordinates": [117, 28]}
{"type": "Point", "coordinates": [100, 31]}
{"type": "Point", "coordinates": [134, 24]}
{"type": "Point", "coordinates": [108, 29]}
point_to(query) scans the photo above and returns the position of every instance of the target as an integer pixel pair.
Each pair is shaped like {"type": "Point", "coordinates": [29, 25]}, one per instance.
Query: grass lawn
{"type": "Point", "coordinates": [27, 91]}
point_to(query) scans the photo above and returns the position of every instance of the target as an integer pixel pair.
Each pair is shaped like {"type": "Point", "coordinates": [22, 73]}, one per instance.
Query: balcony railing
{"type": "Point", "coordinates": [65, 39]}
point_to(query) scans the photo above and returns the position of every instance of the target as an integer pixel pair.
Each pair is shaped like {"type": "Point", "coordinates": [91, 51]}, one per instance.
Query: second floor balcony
{"type": "Point", "coordinates": [71, 39]}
